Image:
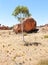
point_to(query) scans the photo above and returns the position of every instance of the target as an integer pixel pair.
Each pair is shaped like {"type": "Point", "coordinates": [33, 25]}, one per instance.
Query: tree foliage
{"type": "Point", "coordinates": [21, 12]}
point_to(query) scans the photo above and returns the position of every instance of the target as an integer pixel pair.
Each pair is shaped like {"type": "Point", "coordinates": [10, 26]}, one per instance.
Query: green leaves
{"type": "Point", "coordinates": [21, 12]}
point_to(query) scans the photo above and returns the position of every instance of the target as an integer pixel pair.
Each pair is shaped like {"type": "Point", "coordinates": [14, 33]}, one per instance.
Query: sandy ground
{"type": "Point", "coordinates": [13, 51]}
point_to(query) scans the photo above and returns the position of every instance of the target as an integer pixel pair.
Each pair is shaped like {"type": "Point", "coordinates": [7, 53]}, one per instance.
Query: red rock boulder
{"type": "Point", "coordinates": [28, 25]}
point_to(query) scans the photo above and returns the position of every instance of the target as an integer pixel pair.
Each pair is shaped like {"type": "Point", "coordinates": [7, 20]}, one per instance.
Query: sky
{"type": "Point", "coordinates": [37, 8]}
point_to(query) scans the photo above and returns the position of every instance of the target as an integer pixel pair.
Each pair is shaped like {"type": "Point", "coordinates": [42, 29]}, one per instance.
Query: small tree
{"type": "Point", "coordinates": [21, 12]}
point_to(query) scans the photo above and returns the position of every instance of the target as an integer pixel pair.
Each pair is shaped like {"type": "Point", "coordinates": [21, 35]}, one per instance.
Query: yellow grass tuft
{"type": "Point", "coordinates": [43, 62]}
{"type": "Point", "coordinates": [45, 36]}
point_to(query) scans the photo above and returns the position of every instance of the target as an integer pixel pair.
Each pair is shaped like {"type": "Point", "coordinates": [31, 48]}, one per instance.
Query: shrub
{"type": "Point", "coordinates": [43, 62]}
{"type": "Point", "coordinates": [25, 34]}
{"type": "Point", "coordinates": [45, 36]}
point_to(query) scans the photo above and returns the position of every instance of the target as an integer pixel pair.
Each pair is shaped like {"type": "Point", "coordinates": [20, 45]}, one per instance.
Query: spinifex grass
{"type": "Point", "coordinates": [43, 62]}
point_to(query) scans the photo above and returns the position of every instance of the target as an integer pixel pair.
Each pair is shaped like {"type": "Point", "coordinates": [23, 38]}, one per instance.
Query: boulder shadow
{"type": "Point", "coordinates": [33, 31]}
{"type": "Point", "coordinates": [32, 43]}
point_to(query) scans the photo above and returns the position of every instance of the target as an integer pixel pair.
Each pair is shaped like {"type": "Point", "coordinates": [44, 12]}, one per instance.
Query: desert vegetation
{"type": "Point", "coordinates": [45, 36]}
{"type": "Point", "coordinates": [43, 62]}
{"type": "Point", "coordinates": [13, 51]}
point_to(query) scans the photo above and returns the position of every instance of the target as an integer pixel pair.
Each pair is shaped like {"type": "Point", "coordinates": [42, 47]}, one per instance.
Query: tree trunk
{"type": "Point", "coordinates": [22, 29]}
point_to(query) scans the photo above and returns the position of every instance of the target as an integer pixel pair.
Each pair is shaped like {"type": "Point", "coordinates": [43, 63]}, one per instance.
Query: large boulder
{"type": "Point", "coordinates": [28, 25]}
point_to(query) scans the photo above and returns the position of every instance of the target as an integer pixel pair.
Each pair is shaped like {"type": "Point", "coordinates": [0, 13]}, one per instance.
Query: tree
{"type": "Point", "coordinates": [21, 12]}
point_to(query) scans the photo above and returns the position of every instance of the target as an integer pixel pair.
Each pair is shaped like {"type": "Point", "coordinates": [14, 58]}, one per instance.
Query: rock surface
{"type": "Point", "coordinates": [4, 28]}
{"type": "Point", "coordinates": [28, 25]}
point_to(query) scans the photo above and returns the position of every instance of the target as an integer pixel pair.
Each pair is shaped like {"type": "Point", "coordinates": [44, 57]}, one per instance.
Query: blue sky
{"type": "Point", "coordinates": [38, 9]}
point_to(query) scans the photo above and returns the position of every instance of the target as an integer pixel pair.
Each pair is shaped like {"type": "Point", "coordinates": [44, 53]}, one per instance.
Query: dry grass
{"type": "Point", "coordinates": [43, 62]}
{"type": "Point", "coordinates": [25, 34]}
{"type": "Point", "coordinates": [13, 51]}
{"type": "Point", "coordinates": [45, 36]}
